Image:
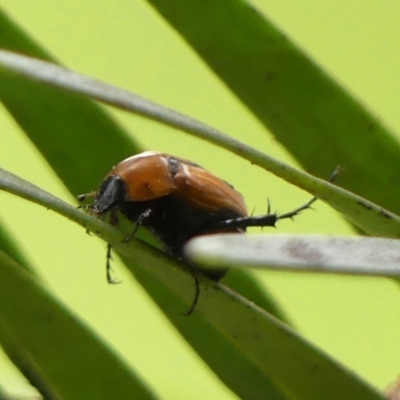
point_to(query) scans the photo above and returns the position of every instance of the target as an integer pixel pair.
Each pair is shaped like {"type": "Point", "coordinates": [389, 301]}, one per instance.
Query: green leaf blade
{"type": "Point", "coordinates": [54, 350]}
{"type": "Point", "coordinates": [306, 110]}
{"type": "Point", "coordinates": [292, 385]}
{"type": "Point", "coordinates": [287, 365]}
{"type": "Point", "coordinates": [39, 110]}
{"type": "Point", "coordinates": [85, 157]}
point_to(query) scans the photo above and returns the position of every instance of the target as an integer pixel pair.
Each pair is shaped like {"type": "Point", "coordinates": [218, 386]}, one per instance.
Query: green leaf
{"type": "Point", "coordinates": [307, 374]}
{"type": "Point", "coordinates": [366, 215]}
{"type": "Point", "coordinates": [55, 351]}
{"type": "Point", "coordinates": [85, 151]}
{"type": "Point", "coordinates": [65, 120]}
{"type": "Point", "coordinates": [271, 348]}
{"type": "Point", "coordinates": [9, 246]}
{"type": "Point", "coordinates": [309, 113]}
{"type": "Point", "coordinates": [216, 350]}
{"type": "Point", "coordinates": [281, 357]}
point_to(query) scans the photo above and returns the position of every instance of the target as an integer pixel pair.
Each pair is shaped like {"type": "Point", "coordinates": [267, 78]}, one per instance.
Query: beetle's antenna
{"type": "Point", "coordinates": [84, 196]}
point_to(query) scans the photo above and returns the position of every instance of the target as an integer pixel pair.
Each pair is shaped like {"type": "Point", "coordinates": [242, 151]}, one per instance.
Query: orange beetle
{"type": "Point", "coordinates": [176, 200]}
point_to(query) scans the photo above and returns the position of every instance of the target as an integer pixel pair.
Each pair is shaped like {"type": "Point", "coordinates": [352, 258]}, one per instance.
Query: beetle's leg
{"type": "Point", "coordinates": [245, 222]}
{"type": "Point", "coordinates": [114, 221]}
{"type": "Point", "coordinates": [196, 294]}
{"type": "Point", "coordinates": [142, 217]}
{"type": "Point", "coordinates": [298, 210]}
{"type": "Point", "coordinates": [271, 219]}
{"type": "Point", "coordinates": [262, 220]}
{"type": "Point", "coordinates": [110, 278]}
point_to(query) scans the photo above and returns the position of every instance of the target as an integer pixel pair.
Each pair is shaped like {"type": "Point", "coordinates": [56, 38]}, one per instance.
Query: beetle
{"type": "Point", "coordinates": [175, 199]}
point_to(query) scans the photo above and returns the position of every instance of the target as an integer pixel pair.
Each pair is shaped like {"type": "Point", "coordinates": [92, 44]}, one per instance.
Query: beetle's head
{"type": "Point", "coordinates": [111, 193]}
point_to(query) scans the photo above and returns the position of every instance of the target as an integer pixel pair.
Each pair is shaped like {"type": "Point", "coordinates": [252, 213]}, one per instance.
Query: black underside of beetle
{"type": "Point", "coordinates": [174, 221]}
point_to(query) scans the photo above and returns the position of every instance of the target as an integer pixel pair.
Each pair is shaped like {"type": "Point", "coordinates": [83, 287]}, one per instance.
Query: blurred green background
{"type": "Point", "coordinates": [126, 43]}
